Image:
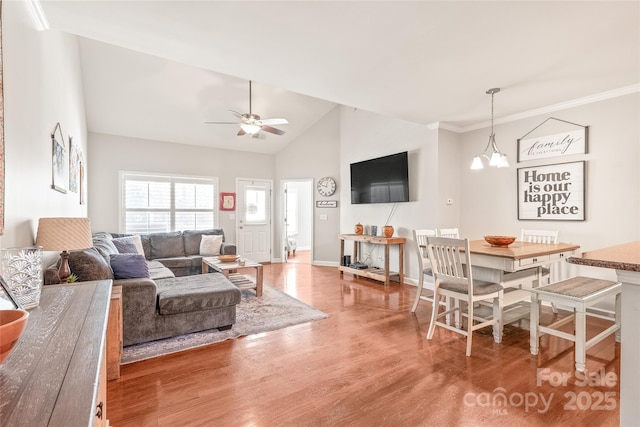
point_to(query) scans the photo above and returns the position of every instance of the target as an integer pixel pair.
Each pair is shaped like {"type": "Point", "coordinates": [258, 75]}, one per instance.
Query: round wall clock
{"type": "Point", "coordinates": [326, 186]}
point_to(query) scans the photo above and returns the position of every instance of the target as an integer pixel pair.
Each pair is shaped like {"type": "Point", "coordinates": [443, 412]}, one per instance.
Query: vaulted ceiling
{"type": "Point", "coordinates": [160, 69]}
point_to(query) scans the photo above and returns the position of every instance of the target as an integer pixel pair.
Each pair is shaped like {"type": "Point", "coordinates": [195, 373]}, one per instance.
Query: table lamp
{"type": "Point", "coordinates": [64, 234]}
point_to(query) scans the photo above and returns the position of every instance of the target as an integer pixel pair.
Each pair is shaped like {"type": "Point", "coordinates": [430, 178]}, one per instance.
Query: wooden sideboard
{"type": "Point", "coordinates": [56, 374]}
{"type": "Point", "coordinates": [114, 334]}
{"type": "Point", "coordinates": [383, 275]}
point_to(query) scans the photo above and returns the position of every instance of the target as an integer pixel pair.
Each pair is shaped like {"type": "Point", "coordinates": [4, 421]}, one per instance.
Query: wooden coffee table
{"type": "Point", "coordinates": [229, 270]}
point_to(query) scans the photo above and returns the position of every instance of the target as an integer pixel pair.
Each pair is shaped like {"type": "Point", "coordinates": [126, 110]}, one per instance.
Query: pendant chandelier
{"type": "Point", "coordinates": [496, 159]}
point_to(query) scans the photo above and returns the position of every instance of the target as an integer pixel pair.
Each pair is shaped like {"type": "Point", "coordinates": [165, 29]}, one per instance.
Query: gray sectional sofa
{"type": "Point", "coordinates": [166, 296]}
{"type": "Point", "coordinates": [180, 250]}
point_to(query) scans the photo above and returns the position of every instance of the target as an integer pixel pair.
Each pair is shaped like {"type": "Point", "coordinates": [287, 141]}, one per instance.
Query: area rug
{"type": "Point", "coordinates": [273, 310]}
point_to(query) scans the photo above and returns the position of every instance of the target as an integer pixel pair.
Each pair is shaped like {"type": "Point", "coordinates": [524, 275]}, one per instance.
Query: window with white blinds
{"type": "Point", "coordinates": [159, 203]}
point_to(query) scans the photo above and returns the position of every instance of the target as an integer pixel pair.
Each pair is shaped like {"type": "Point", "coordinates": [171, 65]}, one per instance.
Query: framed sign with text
{"type": "Point", "coordinates": [552, 192]}
{"type": "Point", "coordinates": [227, 201]}
{"type": "Point", "coordinates": [557, 144]}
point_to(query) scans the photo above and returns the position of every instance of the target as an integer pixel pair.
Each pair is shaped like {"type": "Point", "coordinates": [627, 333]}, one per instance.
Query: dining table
{"type": "Point", "coordinates": [515, 266]}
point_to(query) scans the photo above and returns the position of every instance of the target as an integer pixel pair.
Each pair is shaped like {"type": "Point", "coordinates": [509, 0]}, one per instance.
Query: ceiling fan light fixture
{"type": "Point", "coordinates": [250, 128]}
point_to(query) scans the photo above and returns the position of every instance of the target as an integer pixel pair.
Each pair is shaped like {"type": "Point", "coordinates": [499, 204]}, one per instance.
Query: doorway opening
{"type": "Point", "coordinates": [298, 220]}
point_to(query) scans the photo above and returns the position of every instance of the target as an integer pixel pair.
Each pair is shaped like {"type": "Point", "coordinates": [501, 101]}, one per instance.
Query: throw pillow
{"type": "Point", "coordinates": [103, 243]}
{"type": "Point", "coordinates": [210, 245]}
{"type": "Point", "coordinates": [88, 264]}
{"type": "Point", "coordinates": [129, 266]}
{"type": "Point", "coordinates": [138, 242]}
{"type": "Point", "coordinates": [125, 245]}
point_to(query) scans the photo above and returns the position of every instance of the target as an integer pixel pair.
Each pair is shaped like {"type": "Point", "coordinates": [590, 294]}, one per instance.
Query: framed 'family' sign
{"type": "Point", "coordinates": [552, 192]}
{"type": "Point", "coordinates": [553, 145]}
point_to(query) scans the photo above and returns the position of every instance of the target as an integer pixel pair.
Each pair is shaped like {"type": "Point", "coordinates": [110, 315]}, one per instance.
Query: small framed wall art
{"type": "Point", "coordinates": [227, 201]}
{"type": "Point", "coordinates": [75, 157]}
{"type": "Point", "coordinates": [59, 164]}
{"type": "Point", "coordinates": [552, 192]}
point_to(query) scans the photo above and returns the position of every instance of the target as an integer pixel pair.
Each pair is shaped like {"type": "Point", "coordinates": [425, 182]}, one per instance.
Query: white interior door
{"type": "Point", "coordinates": [254, 219]}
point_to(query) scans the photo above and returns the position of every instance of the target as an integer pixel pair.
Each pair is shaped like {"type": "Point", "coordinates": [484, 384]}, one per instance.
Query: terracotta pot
{"type": "Point", "coordinates": [12, 323]}
{"type": "Point", "coordinates": [359, 228]}
{"type": "Point", "coordinates": [387, 230]}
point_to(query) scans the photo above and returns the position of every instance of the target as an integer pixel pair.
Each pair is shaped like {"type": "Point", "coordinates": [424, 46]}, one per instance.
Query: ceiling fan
{"type": "Point", "coordinates": [252, 123]}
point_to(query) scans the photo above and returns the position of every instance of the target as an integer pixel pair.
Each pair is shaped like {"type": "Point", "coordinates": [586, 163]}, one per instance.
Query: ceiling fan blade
{"type": "Point", "coordinates": [241, 132]}
{"type": "Point", "coordinates": [275, 121]}
{"type": "Point", "coordinates": [271, 130]}
{"type": "Point", "coordinates": [220, 123]}
{"type": "Point", "coordinates": [235, 113]}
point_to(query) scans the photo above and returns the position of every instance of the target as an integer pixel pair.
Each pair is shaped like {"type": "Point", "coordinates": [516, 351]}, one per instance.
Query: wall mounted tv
{"type": "Point", "coordinates": [381, 180]}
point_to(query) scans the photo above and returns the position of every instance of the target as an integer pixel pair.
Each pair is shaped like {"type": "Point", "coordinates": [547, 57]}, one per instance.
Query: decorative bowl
{"type": "Point", "coordinates": [500, 241]}
{"type": "Point", "coordinates": [228, 258]}
{"type": "Point", "coordinates": [12, 323]}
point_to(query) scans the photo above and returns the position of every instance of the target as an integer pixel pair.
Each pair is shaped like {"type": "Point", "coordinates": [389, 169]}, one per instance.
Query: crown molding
{"type": "Point", "coordinates": [556, 107]}
{"type": "Point", "coordinates": [445, 126]}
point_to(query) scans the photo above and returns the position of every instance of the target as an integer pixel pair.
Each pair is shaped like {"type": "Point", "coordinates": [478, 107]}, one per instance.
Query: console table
{"type": "Point", "coordinates": [374, 273]}
{"type": "Point", "coordinates": [56, 374]}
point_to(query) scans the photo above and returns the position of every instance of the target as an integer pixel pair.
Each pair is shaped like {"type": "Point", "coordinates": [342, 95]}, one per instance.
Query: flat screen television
{"type": "Point", "coordinates": [380, 180]}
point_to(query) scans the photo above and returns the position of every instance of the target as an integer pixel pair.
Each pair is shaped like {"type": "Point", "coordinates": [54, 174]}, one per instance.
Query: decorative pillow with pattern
{"type": "Point", "coordinates": [129, 266]}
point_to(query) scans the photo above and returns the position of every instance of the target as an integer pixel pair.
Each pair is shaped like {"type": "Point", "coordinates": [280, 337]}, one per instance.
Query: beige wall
{"type": "Point", "coordinates": [110, 154]}
{"type": "Point", "coordinates": [314, 155]}
{"type": "Point", "coordinates": [42, 86]}
{"type": "Point", "coordinates": [489, 199]}
{"type": "Point", "coordinates": [366, 135]}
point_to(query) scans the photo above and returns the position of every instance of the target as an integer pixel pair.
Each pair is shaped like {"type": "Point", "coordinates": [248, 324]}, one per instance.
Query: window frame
{"type": "Point", "coordinates": [172, 179]}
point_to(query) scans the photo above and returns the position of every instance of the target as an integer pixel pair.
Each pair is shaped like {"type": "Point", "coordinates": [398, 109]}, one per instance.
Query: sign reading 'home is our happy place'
{"type": "Point", "coordinates": [552, 192]}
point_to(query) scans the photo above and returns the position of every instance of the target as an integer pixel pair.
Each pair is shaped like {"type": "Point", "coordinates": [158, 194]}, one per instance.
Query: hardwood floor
{"type": "Point", "coordinates": [302, 256]}
{"type": "Point", "coordinates": [368, 364]}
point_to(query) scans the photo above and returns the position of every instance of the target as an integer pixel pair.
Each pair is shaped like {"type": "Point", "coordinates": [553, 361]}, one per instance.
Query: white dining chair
{"type": "Point", "coordinates": [539, 236]}
{"type": "Point", "coordinates": [452, 233]}
{"type": "Point", "coordinates": [453, 280]}
{"type": "Point", "coordinates": [547, 237]}
{"type": "Point", "coordinates": [424, 266]}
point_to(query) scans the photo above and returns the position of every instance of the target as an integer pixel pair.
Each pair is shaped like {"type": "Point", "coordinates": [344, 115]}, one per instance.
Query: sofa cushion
{"type": "Point", "coordinates": [192, 239]}
{"type": "Point", "coordinates": [210, 245]}
{"type": "Point", "coordinates": [159, 271]}
{"type": "Point", "coordinates": [145, 239]}
{"type": "Point", "coordinates": [177, 262]}
{"type": "Point", "coordinates": [195, 293]}
{"type": "Point", "coordinates": [88, 264]}
{"type": "Point", "coordinates": [129, 266]}
{"type": "Point", "coordinates": [125, 245]}
{"type": "Point", "coordinates": [166, 245]}
{"type": "Point", "coordinates": [104, 245]}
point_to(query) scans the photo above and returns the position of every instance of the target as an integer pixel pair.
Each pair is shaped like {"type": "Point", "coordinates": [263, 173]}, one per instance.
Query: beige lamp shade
{"type": "Point", "coordinates": [64, 234]}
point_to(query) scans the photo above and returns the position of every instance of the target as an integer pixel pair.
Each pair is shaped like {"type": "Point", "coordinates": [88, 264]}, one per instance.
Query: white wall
{"type": "Point", "coordinates": [314, 155]}
{"type": "Point", "coordinates": [42, 85]}
{"type": "Point", "coordinates": [110, 154]}
{"type": "Point", "coordinates": [489, 198]}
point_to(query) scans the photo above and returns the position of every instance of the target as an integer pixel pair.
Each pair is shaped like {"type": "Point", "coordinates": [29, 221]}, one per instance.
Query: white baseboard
{"type": "Point", "coordinates": [325, 263]}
